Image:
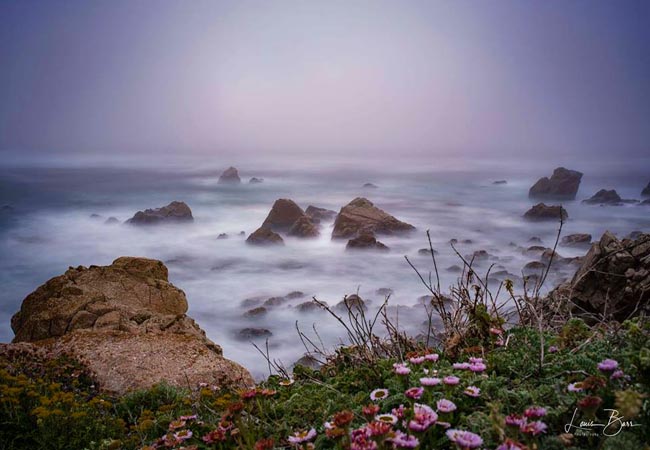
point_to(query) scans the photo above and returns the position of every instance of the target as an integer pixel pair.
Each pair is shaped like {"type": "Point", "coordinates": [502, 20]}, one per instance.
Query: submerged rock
{"type": "Point", "coordinates": [542, 211]}
{"type": "Point", "coordinates": [111, 221]}
{"type": "Point", "coordinates": [320, 214]}
{"type": "Point", "coordinates": [613, 280]}
{"type": "Point", "coordinates": [253, 333]}
{"type": "Point", "coordinates": [115, 318]}
{"type": "Point", "coordinates": [304, 227]}
{"type": "Point", "coordinates": [563, 185]}
{"type": "Point", "coordinates": [500, 182]}
{"type": "Point", "coordinates": [264, 236]}
{"type": "Point", "coordinates": [365, 242]}
{"type": "Point", "coordinates": [646, 191]}
{"type": "Point", "coordinates": [360, 216]}
{"type": "Point", "coordinates": [605, 197]}
{"type": "Point", "coordinates": [576, 240]}
{"type": "Point", "coordinates": [229, 176]}
{"type": "Point", "coordinates": [369, 186]}
{"type": "Point", "coordinates": [255, 180]}
{"type": "Point", "coordinates": [174, 212]}
{"type": "Point", "coordinates": [222, 236]}
{"type": "Point", "coordinates": [352, 302]}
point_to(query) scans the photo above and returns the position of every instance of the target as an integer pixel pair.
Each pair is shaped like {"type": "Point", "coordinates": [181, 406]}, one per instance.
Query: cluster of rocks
{"type": "Point", "coordinates": [612, 282]}
{"type": "Point", "coordinates": [231, 176]}
{"type": "Point", "coordinates": [174, 212]}
{"type": "Point", "coordinates": [289, 218]}
{"type": "Point", "coordinates": [127, 324]}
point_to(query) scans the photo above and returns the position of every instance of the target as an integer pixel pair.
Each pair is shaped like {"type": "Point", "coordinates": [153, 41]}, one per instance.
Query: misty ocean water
{"type": "Point", "coordinates": [50, 228]}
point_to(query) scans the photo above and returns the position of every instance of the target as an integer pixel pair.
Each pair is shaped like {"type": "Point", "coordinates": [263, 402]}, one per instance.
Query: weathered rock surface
{"type": "Point", "coordinates": [264, 236]}
{"type": "Point", "coordinates": [613, 280]}
{"type": "Point", "coordinates": [283, 215]}
{"type": "Point", "coordinates": [360, 216]}
{"type": "Point", "coordinates": [320, 214]}
{"type": "Point", "coordinates": [174, 212]}
{"type": "Point", "coordinates": [605, 197]}
{"type": "Point", "coordinates": [304, 227]}
{"type": "Point", "coordinates": [576, 240]}
{"type": "Point", "coordinates": [365, 242]}
{"type": "Point", "coordinates": [542, 211]}
{"type": "Point", "coordinates": [563, 185]}
{"type": "Point", "coordinates": [127, 324]}
{"type": "Point", "coordinates": [229, 176]}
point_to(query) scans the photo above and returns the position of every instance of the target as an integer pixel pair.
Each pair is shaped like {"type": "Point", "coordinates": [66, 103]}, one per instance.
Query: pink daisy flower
{"type": "Point", "coordinates": [472, 391]}
{"type": "Point", "coordinates": [378, 394]}
{"type": "Point", "coordinates": [300, 437]}
{"type": "Point", "coordinates": [445, 406]}
{"type": "Point", "coordinates": [433, 357]}
{"type": "Point", "coordinates": [401, 369]}
{"type": "Point", "coordinates": [608, 365]}
{"type": "Point", "coordinates": [414, 393]}
{"type": "Point", "coordinates": [417, 360]}
{"type": "Point", "coordinates": [430, 381]}
{"type": "Point", "coordinates": [464, 439]}
{"type": "Point", "coordinates": [451, 380]}
{"type": "Point", "coordinates": [403, 440]}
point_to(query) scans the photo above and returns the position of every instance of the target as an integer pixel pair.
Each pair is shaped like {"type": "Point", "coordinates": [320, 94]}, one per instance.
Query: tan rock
{"type": "Point", "coordinates": [360, 216]}
{"type": "Point", "coordinates": [283, 215]}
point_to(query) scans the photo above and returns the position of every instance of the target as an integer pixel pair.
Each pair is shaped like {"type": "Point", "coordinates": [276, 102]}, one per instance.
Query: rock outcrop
{"type": "Point", "coordinates": [646, 191]}
{"type": "Point", "coordinates": [283, 215]}
{"type": "Point", "coordinates": [229, 176]}
{"type": "Point", "coordinates": [318, 215]}
{"type": "Point", "coordinates": [613, 280]}
{"type": "Point", "coordinates": [576, 240]}
{"type": "Point", "coordinates": [255, 180]}
{"type": "Point", "coordinates": [365, 242]}
{"type": "Point", "coordinates": [607, 197]}
{"type": "Point", "coordinates": [304, 227]}
{"type": "Point", "coordinates": [264, 236]}
{"type": "Point", "coordinates": [174, 212]}
{"type": "Point", "coordinates": [127, 324]}
{"type": "Point", "coordinates": [360, 216]}
{"type": "Point", "coordinates": [563, 185]}
{"type": "Point", "coordinates": [542, 211]}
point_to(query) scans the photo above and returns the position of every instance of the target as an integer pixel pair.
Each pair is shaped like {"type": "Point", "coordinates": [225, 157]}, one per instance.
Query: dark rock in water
{"type": "Point", "coordinates": [426, 252]}
{"type": "Point", "coordinates": [222, 236]}
{"type": "Point", "coordinates": [541, 212]}
{"type": "Point", "coordinates": [283, 215]}
{"type": "Point", "coordinates": [360, 216]}
{"type": "Point", "coordinates": [605, 197]}
{"type": "Point", "coordinates": [384, 292]}
{"type": "Point", "coordinates": [256, 312]}
{"type": "Point", "coordinates": [613, 281]}
{"type": "Point", "coordinates": [645, 202]}
{"type": "Point", "coordinates": [309, 306]}
{"type": "Point", "coordinates": [369, 186]}
{"type": "Point", "coordinates": [174, 212]}
{"type": "Point", "coordinates": [453, 241]}
{"type": "Point", "coordinates": [294, 294]}
{"type": "Point", "coordinates": [535, 239]}
{"type": "Point", "coordinates": [500, 182]}
{"type": "Point", "coordinates": [646, 191]}
{"type": "Point", "coordinates": [454, 269]}
{"type": "Point", "coordinates": [478, 256]}
{"type": "Point", "coordinates": [111, 221]}
{"type": "Point", "coordinates": [251, 302]}
{"type": "Point", "coordinates": [242, 233]}
{"type": "Point", "coordinates": [275, 301]}
{"type": "Point", "coordinates": [6, 209]}
{"type": "Point", "coordinates": [365, 242]}
{"type": "Point", "coordinates": [534, 266]}
{"type": "Point", "coordinates": [304, 227]}
{"type": "Point", "coordinates": [255, 180]}
{"type": "Point", "coordinates": [563, 185]}
{"type": "Point", "coordinates": [576, 240]}
{"type": "Point", "coordinates": [230, 176]}
{"type": "Point", "coordinates": [352, 302]}
{"type": "Point", "coordinates": [253, 333]}
{"type": "Point", "coordinates": [535, 249]}
{"type": "Point", "coordinates": [308, 361]}
{"type": "Point", "coordinates": [115, 317]}
{"type": "Point", "coordinates": [467, 241]}
{"type": "Point", "coordinates": [320, 214]}
{"type": "Point", "coordinates": [264, 236]}
{"type": "Point", "coordinates": [95, 216]}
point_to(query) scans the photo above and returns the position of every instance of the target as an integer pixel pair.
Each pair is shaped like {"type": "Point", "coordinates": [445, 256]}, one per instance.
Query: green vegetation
{"type": "Point", "coordinates": [53, 404]}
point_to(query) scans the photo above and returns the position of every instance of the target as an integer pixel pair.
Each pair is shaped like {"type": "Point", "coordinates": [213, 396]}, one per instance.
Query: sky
{"type": "Point", "coordinates": [365, 78]}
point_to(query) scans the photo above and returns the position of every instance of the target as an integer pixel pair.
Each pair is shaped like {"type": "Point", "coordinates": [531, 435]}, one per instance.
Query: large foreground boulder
{"type": "Point", "coordinates": [576, 240]}
{"type": "Point", "coordinates": [563, 185]}
{"type": "Point", "coordinates": [229, 176]}
{"type": "Point", "coordinates": [613, 280]}
{"type": "Point", "coordinates": [541, 211]}
{"type": "Point", "coordinates": [174, 212]}
{"type": "Point", "coordinates": [360, 217]}
{"type": "Point", "coordinates": [127, 324]}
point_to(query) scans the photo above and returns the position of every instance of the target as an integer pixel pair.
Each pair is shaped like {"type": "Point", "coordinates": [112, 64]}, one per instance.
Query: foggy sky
{"type": "Point", "coordinates": [349, 77]}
